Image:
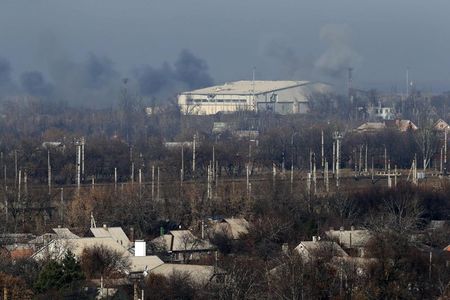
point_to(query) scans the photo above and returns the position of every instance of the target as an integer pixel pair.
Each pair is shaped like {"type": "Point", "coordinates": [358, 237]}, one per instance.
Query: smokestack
{"type": "Point", "coordinates": [140, 248]}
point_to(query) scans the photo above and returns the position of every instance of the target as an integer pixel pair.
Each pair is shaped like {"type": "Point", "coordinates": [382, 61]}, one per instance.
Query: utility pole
{"type": "Point", "coordinates": [337, 136]}
{"type": "Point", "coordinates": [15, 167]}
{"type": "Point", "coordinates": [314, 173]}
{"type": "Point", "coordinates": [333, 168]}
{"type": "Point", "coordinates": [322, 164]}
{"type": "Point", "coordinates": [193, 154]}
{"type": "Point", "coordinates": [82, 157]}
{"type": "Point", "coordinates": [365, 164]}
{"type": "Point", "coordinates": [182, 165]}
{"type": "Point", "coordinates": [389, 176]}
{"type": "Point", "coordinates": [445, 150]}
{"type": "Point", "coordinates": [115, 179]}
{"type": "Point", "coordinates": [395, 176]}
{"type": "Point", "coordinates": [62, 205]}
{"type": "Point", "coordinates": [49, 172]}
{"type": "Point", "coordinates": [247, 169]}
{"type": "Point", "coordinates": [158, 194]}
{"type": "Point", "coordinates": [78, 166]}
{"type": "Point", "coordinates": [153, 182]}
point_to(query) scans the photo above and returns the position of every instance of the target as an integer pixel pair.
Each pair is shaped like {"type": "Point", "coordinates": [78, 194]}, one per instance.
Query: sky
{"type": "Point", "coordinates": [84, 48]}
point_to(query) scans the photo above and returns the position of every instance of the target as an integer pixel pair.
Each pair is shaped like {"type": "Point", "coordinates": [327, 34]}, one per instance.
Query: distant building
{"type": "Point", "coordinates": [382, 113]}
{"type": "Point", "coordinates": [400, 125]}
{"type": "Point", "coordinates": [316, 248]}
{"type": "Point", "coordinates": [116, 233]}
{"type": "Point", "coordinates": [182, 245]}
{"type": "Point", "coordinates": [283, 97]}
{"type": "Point", "coordinates": [371, 127]}
{"type": "Point", "coordinates": [441, 125]}
{"type": "Point", "coordinates": [355, 239]}
{"type": "Point", "coordinates": [232, 228]}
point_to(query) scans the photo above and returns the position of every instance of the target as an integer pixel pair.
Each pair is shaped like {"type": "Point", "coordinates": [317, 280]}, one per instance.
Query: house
{"type": "Point", "coordinates": [316, 248]}
{"type": "Point", "coordinates": [233, 228]}
{"type": "Point", "coordinates": [182, 245]}
{"type": "Point", "coordinates": [441, 125]}
{"type": "Point", "coordinates": [350, 239]}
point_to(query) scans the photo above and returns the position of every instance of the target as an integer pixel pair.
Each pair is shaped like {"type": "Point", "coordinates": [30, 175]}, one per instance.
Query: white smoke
{"type": "Point", "coordinates": [339, 55]}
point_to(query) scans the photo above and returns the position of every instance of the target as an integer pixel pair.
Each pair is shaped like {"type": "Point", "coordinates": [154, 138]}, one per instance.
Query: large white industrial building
{"type": "Point", "coordinates": [284, 97]}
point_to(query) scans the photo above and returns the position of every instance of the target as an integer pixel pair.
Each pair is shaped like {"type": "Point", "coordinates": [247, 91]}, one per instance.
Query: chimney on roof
{"type": "Point", "coordinates": [342, 228]}
{"type": "Point", "coordinates": [285, 248]}
{"type": "Point", "coordinates": [105, 227]}
{"type": "Point", "coordinates": [314, 238]}
{"type": "Point", "coordinates": [140, 248]}
{"type": "Point", "coordinates": [352, 228]}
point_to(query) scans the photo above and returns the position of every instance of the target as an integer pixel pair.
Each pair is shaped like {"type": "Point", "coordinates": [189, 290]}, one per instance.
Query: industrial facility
{"type": "Point", "coordinates": [283, 97]}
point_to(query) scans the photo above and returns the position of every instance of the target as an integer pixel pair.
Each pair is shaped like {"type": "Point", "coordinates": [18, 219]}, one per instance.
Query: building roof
{"type": "Point", "coordinates": [198, 273]}
{"type": "Point", "coordinates": [58, 247]}
{"type": "Point", "coordinates": [182, 240]}
{"type": "Point", "coordinates": [321, 248]}
{"type": "Point", "coordinates": [248, 87]}
{"type": "Point", "coordinates": [350, 238]}
{"type": "Point", "coordinates": [115, 233]}
{"type": "Point", "coordinates": [65, 233]}
{"type": "Point", "coordinates": [371, 126]}
{"type": "Point", "coordinates": [441, 125]}
{"type": "Point", "coordinates": [142, 263]}
{"type": "Point", "coordinates": [232, 227]}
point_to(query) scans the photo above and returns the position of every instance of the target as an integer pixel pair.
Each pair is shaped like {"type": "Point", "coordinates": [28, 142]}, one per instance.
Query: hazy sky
{"type": "Point", "coordinates": [284, 39]}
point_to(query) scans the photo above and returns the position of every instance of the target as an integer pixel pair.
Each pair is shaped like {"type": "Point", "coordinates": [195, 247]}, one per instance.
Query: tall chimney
{"type": "Point", "coordinates": [140, 248]}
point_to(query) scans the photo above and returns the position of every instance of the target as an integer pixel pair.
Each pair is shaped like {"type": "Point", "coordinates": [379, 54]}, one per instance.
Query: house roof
{"type": "Point", "coordinates": [232, 227]}
{"type": "Point", "coordinates": [115, 233]}
{"type": "Point", "coordinates": [402, 125]}
{"type": "Point", "coordinates": [45, 238]}
{"type": "Point", "coordinates": [200, 274]}
{"type": "Point", "coordinates": [441, 125]}
{"type": "Point", "coordinates": [371, 126]}
{"type": "Point", "coordinates": [140, 263]}
{"type": "Point", "coordinates": [182, 240]}
{"type": "Point", "coordinates": [350, 238]}
{"type": "Point", "coordinates": [65, 233]}
{"type": "Point", "coordinates": [438, 224]}
{"type": "Point", "coordinates": [321, 248]}
{"type": "Point", "coordinates": [58, 247]}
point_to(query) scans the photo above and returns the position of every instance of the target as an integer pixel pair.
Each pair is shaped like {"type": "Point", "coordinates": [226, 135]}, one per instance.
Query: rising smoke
{"type": "Point", "coordinates": [339, 55]}
{"type": "Point", "coordinates": [95, 82]}
{"type": "Point", "coordinates": [35, 84]}
{"type": "Point", "coordinates": [5, 72]}
{"type": "Point", "coordinates": [187, 72]}
{"type": "Point", "coordinates": [289, 59]}
{"type": "Point", "coordinates": [330, 66]}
